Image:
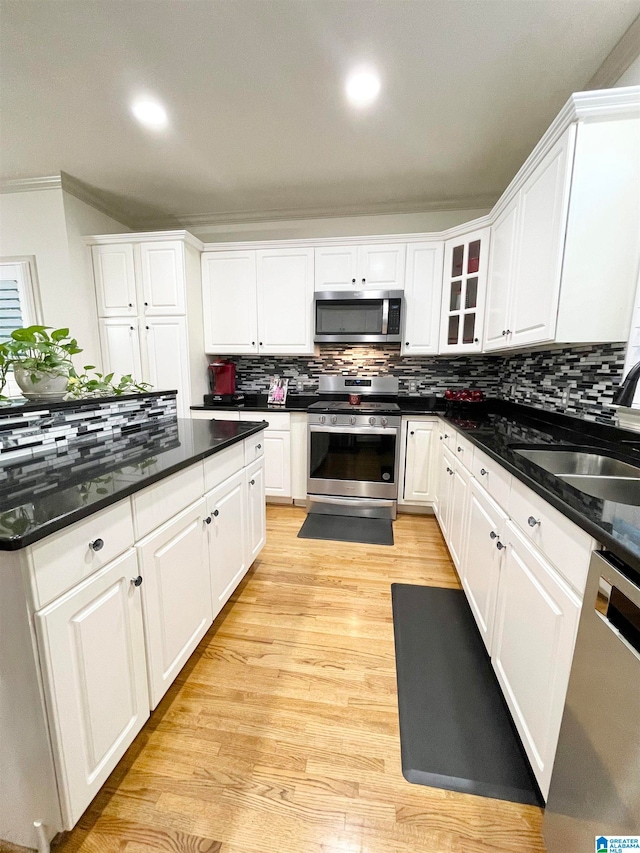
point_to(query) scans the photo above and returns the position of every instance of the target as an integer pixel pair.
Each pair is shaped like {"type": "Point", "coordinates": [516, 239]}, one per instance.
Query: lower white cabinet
{"type": "Point", "coordinates": [256, 530]}
{"type": "Point", "coordinates": [446, 465]}
{"type": "Point", "coordinates": [93, 654]}
{"type": "Point", "coordinates": [277, 454]}
{"type": "Point", "coordinates": [483, 555]}
{"type": "Point", "coordinates": [419, 474]}
{"type": "Point", "coordinates": [226, 505]}
{"type": "Point", "coordinates": [535, 630]}
{"type": "Point", "coordinates": [176, 594]}
{"type": "Point", "coordinates": [458, 511]}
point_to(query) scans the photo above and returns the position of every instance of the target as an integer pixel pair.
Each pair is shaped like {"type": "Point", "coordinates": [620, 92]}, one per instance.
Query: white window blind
{"type": "Point", "coordinates": [10, 307]}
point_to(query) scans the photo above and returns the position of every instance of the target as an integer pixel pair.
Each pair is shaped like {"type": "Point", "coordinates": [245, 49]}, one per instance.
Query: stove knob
{"type": "Point", "coordinates": [322, 419]}
{"type": "Point", "coordinates": [384, 421]}
{"type": "Point", "coordinates": [372, 421]}
{"type": "Point", "coordinates": [352, 419]}
{"type": "Point", "coordinates": [334, 419]}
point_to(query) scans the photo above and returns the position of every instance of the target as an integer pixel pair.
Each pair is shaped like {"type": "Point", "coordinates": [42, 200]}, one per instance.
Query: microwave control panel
{"type": "Point", "coordinates": [393, 324]}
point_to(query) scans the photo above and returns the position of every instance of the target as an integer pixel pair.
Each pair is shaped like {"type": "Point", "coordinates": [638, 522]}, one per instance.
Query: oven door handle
{"type": "Point", "coordinates": [355, 430]}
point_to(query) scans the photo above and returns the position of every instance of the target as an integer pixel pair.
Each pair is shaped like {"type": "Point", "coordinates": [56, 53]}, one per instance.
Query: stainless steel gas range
{"type": "Point", "coordinates": [353, 450]}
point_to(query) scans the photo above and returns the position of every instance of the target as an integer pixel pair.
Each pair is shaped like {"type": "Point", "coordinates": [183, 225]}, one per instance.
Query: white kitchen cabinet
{"type": "Point", "coordinates": [115, 280]}
{"type": "Point", "coordinates": [457, 525]}
{"type": "Point", "coordinates": [120, 344]}
{"type": "Point", "coordinates": [256, 531]}
{"type": "Point", "coordinates": [446, 465]}
{"type": "Point", "coordinates": [463, 292]}
{"type": "Point", "coordinates": [165, 356]}
{"type": "Point", "coordinates": [176, 594]}
{"type": "Point", "coordinates": [163, 278]}
{"type": "Point", "coordinates": [422, 298]}
{"type": "Point", "coordinates": [534, 636]}
{"type": "Point", "coordinates": [419, 470]}
{"type": "Point", "coordinates": [360, 267]}
{"type": "Point", "coordinates": [258, 302]}
{"type": "Point", "coordinates": [501, 277]}
{"type": "Point", "coordinates": [226, 504]}
{"type": "Point", "coordinates": [93, 657]}
{"type": "Point", "coordinates": [277, 451]}
{"type": "Point", "coordinates": [482, 559]}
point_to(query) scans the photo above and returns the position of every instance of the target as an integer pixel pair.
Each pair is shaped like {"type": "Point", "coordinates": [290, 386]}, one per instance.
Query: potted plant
{"type": "Point", "coordinates": [41, 361]}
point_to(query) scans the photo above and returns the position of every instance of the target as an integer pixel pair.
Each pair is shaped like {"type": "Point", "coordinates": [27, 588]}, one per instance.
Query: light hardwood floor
{"type": "Point", "coordinates": [281, 733]}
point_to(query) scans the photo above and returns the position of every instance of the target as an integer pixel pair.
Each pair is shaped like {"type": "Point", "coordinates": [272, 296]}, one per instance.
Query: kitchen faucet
{"type": "Point", "coordinates": [626, 391]}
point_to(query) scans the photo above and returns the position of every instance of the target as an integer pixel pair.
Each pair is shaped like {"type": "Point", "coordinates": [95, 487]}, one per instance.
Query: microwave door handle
{"type": "Point", "coordinates": [385, 316]}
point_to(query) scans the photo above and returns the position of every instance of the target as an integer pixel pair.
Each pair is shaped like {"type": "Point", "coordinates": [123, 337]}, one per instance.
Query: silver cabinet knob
{"type": "Point", "coordinates": [216, 512]}
{"type": "Point", "coordinates": [459, 450]}
{"type": "Point", "coordinates": [445, 435]}
{"type": "Point", "coordinates": [136, 581]}
{"type": "Point", "coordinates": [493, 534]}
{"type": "Point", "coordinates": [500, 546]}
{"type": "Point", "coordinates": [258, 446]}
{"type": "Point", "coordinates": [252, 482]}
{"type": "Point", "coordinates": [441, 437]}
{"type": "Point", "coordinates": [532, 522]}
{"type": "Point", "coordinates": [207, 520]}
{"type": "Point", "coordinates": [97, 545]}
{"type": "Point", "coordinates": [483, 471]}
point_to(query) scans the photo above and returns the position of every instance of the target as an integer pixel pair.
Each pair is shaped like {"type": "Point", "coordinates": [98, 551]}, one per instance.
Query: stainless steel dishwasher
{"type": "Point", "coordinates": [595, 786]}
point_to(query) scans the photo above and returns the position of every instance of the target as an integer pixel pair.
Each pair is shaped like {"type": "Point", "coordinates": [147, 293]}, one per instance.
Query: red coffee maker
{"type": "Point", "coordinates": [222, 379]}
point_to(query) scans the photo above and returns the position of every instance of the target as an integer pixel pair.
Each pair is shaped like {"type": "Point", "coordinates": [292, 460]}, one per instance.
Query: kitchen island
{"type": "Point", "coordinates": [116, 557]}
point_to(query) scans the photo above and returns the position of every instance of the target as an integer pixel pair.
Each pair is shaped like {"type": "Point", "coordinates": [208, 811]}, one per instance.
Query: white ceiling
{"type": "Point", "coordinates": [254, 89]}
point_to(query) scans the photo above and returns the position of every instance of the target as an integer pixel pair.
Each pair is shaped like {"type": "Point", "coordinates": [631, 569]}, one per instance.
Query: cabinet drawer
{"type": "Point", "coordinates": [565, 544]}
{"type": "Point", "coordinates": [64, 559]}
{"type": "Point", "coordinates": [157, 504]}
{"type": "Point", "coordinates": [449, 436]}
{"type": "Point", "coordinates": [276, 420]}
{"type": "Point", "coordinates": [221, 466]}
{"type": "Point", "coordinates": [253, 448]}
{"type": "Point", "coordinates": [493, 477]}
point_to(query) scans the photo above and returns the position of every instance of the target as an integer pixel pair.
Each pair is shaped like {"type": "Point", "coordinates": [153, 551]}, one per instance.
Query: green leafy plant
{"type": "Point", "coordinates": [39, 352]}
{"type": "Point", "coordinates": [102, 385]}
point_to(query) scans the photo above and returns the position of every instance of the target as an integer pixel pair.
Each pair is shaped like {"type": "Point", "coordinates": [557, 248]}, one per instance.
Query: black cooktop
{"type": "Point", "coordinates": [363, 408]}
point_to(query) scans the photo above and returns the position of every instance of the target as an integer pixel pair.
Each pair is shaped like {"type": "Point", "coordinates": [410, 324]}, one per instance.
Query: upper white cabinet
{"type": "Point", "coordinates": [423, 292]}
{"type": "Point", "coordinates": [258, 301]}
{"type": "Point", "coordinates": [503, 247]}
{"type": "Point", "coordinates": [463, 293]}
{"type": "Point", "coordinates": [150, 311]}
{"type": "Point", "coordinates": [366, 267]}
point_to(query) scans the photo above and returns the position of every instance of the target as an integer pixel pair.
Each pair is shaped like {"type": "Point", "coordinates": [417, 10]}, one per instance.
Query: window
{"type": "Point", "coordinates": [19, 304]}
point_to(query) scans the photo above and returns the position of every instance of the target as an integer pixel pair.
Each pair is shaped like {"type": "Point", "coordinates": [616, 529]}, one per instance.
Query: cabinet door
{"type": "Point", "coordinates": [535, 630]}
{"type": "Point", "coordinates": [91, 643]}
{"type": "Point", "coordinates": [336, 267]}
{"type": "Point", "coordinates": [120, 344]}
{"type": "Point", "coordinates": [166, 358]}
{"type": "Point", "coordinates": [544, 204]}
{"type": "Point", "coordinates": [423, 291]}
{"type": "Point", "coordinates": [381, 267]}
{"type": "Point", "coordinates": [458, 522]}
{"type": "Point", "coordinates": [277, 456]}
{"type": "Point", "coordinates": [480, 570]}
{"type": "Point", "coordinates": [501, 278]}
{"type": "Point", "coordinates": [256, 510]}
{"type": "Point", "coordinates": [176, 594]}
{"type": "Point", "coordinates": [419, 485]}
{"type": "Point", "coordinates": [285, 301]}
{"type": "Point", "coordinates": [230, 302]}
{"type": "Point", "coordinates": [463, 293]}
{"type": "Point", "coordinates": [163, 277]}
{"type": "Point", "coordinates": [446, 468]}
{"type": "Point", "coordinates": [115, 279]}
{"type": "Point", "coordinates": [226, 505]}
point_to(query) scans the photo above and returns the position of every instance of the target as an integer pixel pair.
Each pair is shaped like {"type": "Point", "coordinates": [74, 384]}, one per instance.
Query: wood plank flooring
{"type": "Point", "coordinates": [281, 733]}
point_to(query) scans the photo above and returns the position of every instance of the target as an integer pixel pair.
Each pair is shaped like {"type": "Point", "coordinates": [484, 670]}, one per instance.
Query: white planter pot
{"type": "Point", "coordinates": [48, 386]}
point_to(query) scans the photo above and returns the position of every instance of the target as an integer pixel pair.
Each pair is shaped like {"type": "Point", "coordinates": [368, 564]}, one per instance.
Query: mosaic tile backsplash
{"type": "Point", "coordinates": [590, 374]}
{"type": "Point", "coordinates": [85, 424]}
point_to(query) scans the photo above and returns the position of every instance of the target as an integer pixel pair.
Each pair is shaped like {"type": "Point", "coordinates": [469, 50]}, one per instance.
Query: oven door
{"type": "Point", "coordinates": [353, 462]}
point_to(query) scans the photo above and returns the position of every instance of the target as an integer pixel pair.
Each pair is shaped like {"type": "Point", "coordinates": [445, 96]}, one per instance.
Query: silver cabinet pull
{"type": "Point", "coordinates": [259, 446]}
{"type": "Point", "coordinates": [459, 450]}
{"type": "Point", "coordinates": [483, 471]}
{"type": "Point", "coordinates": [207, 520]}
{"type": "Point", "coordinates": [97, 545]}
{"type": "Point", "coordinates": [532, 522]}
{"type": "Point", "coordinates": [499, 545]}
{"type": "Point", "coordinates": [493, 534]}
{"type": "Point", "coordinates": [216, 512]}
{"type": "Point", "coordinates": [252, 482]}
{"type": "Point", "coordinates": [136, 581]}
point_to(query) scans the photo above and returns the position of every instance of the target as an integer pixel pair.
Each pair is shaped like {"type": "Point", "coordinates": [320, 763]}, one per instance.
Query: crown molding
{"type": "Point", "coordinates": [25, 185]}
{"type": "Point", "coordinates": [144, 237]}
{"type": "Point", "coordinates": [249, 217]}
{"type": "Point", "coordinates": [92, 197]}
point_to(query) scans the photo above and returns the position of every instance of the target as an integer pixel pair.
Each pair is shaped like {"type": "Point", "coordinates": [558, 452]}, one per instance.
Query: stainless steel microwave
{"type": "Point", "coordinates": [358, 317]}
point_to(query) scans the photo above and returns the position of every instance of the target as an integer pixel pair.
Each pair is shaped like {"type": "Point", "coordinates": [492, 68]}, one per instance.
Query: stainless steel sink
{"type": "Point", "coordinates": [590, 472]}
{"type": "Point", "coordinates": [580, 462]}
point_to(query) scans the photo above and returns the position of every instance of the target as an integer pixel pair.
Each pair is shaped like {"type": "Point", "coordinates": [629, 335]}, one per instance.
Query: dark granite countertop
{"type": "Point", "coordinates": [498, 433]}
{"type": "Point", "coordinates": [409, 405]}
{"type": "Point", "coordinates": [47, 494]}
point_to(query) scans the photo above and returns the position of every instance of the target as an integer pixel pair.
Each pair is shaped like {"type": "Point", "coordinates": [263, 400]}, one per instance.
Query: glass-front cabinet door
{"type": "Point", "coordinates": [463, 295]}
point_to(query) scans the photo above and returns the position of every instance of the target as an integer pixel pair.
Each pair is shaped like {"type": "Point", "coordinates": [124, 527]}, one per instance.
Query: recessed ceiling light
{"type": "Point", "coordinates": [362, 87]}
{"type": "Point", "coordinates": [150, 113]}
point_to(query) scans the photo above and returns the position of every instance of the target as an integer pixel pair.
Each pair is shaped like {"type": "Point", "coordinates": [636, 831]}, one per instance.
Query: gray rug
{"type": "Point", "coordinates": [347, 528]}
{"type": "Point", "coordinates": [456, 731]}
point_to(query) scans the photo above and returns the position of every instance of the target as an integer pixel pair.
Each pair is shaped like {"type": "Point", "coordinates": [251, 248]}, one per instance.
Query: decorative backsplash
{"type": "Point", "coordinates": [59, 428]}
{"type": "Point", "coordinates": [590, 374]}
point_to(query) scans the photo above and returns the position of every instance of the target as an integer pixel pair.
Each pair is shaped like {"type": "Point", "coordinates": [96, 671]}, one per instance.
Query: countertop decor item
{"type": "Point", "coordinates": [41, 361]}
{"type": "Point", "coordinates": [278, 391]}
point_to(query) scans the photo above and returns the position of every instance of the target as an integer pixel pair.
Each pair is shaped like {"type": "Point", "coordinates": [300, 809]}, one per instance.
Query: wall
{"type": "Point", "coordinates": [631, 76]}
{"type": "Point", "coordinates": [590, 374]}
{"type": "Point", "coordinates": [337, 226]}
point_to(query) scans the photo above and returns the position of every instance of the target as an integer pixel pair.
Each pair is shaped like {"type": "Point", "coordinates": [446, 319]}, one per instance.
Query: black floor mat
{"type": "Point", "coordinates": [456, 731]}
{"type": "Point", "coordinates": [347, 528]}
